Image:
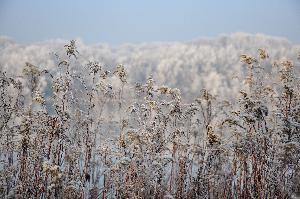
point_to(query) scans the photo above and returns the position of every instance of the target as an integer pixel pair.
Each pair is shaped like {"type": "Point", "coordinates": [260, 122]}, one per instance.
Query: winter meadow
{"type": "Point", "coordinates": [83, 130]}
{"type": "Point", "coordinates": [172, 99]}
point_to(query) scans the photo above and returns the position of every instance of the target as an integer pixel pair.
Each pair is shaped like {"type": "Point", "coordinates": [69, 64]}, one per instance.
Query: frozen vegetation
{"type": "Point", "coordinates": [84, 129]}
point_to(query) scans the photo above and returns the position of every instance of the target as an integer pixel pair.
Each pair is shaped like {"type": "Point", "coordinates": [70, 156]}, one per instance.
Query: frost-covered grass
{"type": "Point", "coordinates": [89, 133]}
